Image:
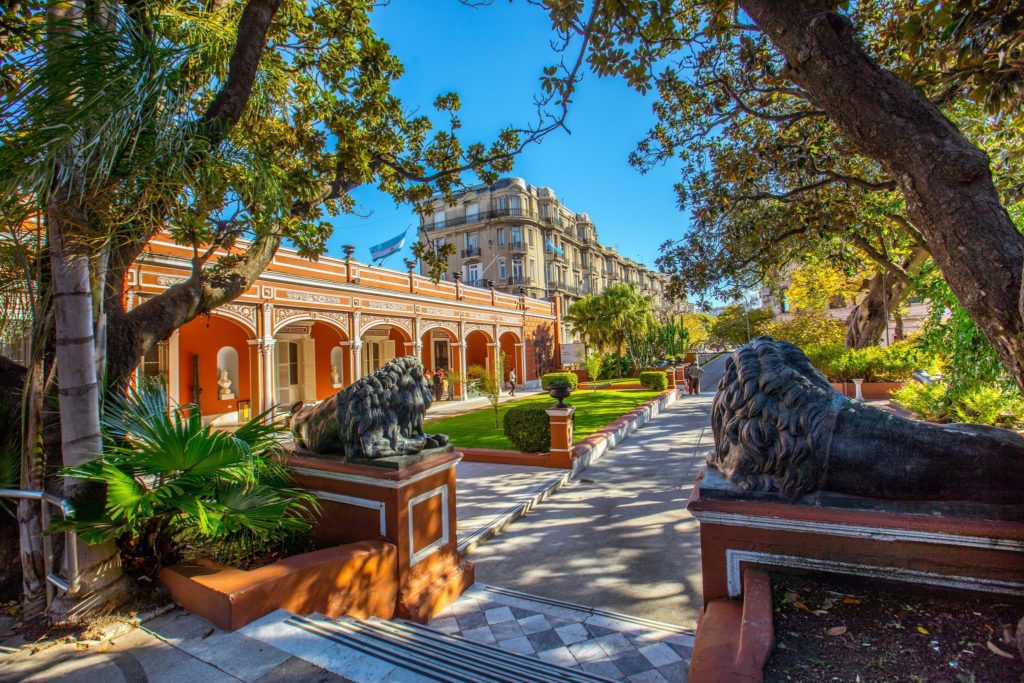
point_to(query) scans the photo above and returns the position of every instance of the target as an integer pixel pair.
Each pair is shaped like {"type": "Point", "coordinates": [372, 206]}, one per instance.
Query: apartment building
{"type": "Point", "coordinates": [518, 238]}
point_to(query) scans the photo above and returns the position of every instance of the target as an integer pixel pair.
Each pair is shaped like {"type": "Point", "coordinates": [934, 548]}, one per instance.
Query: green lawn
{"type": "Point", "coordinates": [594, 410]}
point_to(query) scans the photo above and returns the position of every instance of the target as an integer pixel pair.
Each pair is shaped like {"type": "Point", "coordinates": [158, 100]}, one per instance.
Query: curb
{"type": "Point", "coordinates": [518, 509]}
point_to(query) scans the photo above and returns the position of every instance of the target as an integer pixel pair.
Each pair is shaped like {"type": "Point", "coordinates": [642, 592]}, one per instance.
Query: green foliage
{"type": "Point", "coordinates": [613, 366]}
{"type": "Point", "coordinates": [730, 327]}
{"type": "Point", "coordinates": [528, 427]}
{"type": "Point", "coordinates": [894, 363]}
{"type": "Point", "coordinates": [594, 411]}
{"type": "Point", "coordinates": [552, 378]}
{"type": "Point", "coordinates": [951, 334]}
{"type": "Point", "coordinates": [997, 404]}
{"type": "Point", "coordinates": [654, 380]}
{"type": "Point", "coordinates": [592, 362]}
{"type": "Point", "coordinates": [10, 449]}
{"type": "Point", "coordinates": [609, 320]}
{"type": "Point", "coordinates": [806, 327]}
{"type": "Point", "coordinates": [176, 488]}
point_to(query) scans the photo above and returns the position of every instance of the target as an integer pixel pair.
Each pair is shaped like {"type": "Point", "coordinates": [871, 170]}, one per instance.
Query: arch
{"type": "Point", "coordinates": [234, 317]}
{"type": "Point", "coordinates": [479, 349]}
{"type": "Point", "coordinates": [312, 318]}
{"type": "Point", "coordinates": [202, 344]}
{"type": "Point", "coordinates": [401, 325]}
{"type": "Point", "coordinates": [438, 348]}
{"type": "Point", "coordinates": [508, 342]}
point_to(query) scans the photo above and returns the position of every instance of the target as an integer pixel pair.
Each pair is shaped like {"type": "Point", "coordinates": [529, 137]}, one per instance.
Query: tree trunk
{"type": "Point", "coordinates": [30, 537]}
{"type": "Point", "coordinates": [944, 178]}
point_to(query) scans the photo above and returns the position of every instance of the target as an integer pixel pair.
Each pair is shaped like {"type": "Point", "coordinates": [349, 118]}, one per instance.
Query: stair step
{"type": "Point", "coordinates": [437, 656]}
{"type": "Point", "coordinates": [490, 653]}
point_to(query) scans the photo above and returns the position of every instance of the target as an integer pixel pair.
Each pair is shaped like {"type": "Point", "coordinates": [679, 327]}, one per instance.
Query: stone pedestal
{"type": "Point", "coordinates": [670, 374]}
{"type": "Point", "coordinates": [960, 545]}
{"type": "Point", "coordinates": [411, 505]}
{"type": "Point", "coordinates": [561, 436]}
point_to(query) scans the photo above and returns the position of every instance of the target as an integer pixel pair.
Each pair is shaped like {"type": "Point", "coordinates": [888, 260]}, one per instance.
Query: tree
{"type": "Point", "coordinates": [786, 62]}
{"type": "Point", "coordinates": [698, 328]}
{"type": "Point", "coordinates": [736, 325]}
{"type": "Point", "coordinates": [584, 316]}
{"type": "Point", "coordinates": [213, 123]}
{"type": "Point", "coordinates": [623, 310]}
{"type": "Point", "coordinates": [806, 328]}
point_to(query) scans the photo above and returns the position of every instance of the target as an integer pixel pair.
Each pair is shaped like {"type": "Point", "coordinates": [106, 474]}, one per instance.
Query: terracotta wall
{"type": "Point", "coordinates": [204, 336]}
{"type": "Point", "coordinates": [476, 348]}
{"type": "Point", "coordinates": [325, 340]}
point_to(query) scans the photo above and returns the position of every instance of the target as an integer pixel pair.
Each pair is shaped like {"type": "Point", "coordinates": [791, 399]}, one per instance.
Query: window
{"type": "Point", "coordinates": [533, 269]}
{"type": "Point", "coordinates": [502, 271]}
{"type": "Point", "coordinates": [471, 240]}
{"type": "Point", "coordinates": [439, 219]}
{"type": "Point", "coordinates": [545, 211]}
{"type": "Point", "coordinates": [474, 273]}
{"type": "Point", "coordinates": [441, 354]}
{"type": "Point", "coordinates": [529, 235]}
{"type": "Point", "coordinates": [501, 237]}
{"type": "Point", "coordinates": [517, 236]}
{"type": "Point", "coordinates": [153, 364]}
{"type": "Point", "coordinates": [499, 204]}
{"type": "Point", "coordinates": [547, 272]}
{"type": "Point", "coordinates": [517, 269]}
{"type": "Point", "coordinates": [514, 206]}
{"type": "Point", "coordinates": [471, 211]}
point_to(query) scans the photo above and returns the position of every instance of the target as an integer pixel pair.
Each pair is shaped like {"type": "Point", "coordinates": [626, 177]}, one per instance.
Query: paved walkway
{"type": "Point", "coordinates": [445, 408]}
{"type": "Point", "coordinates": [485, 492]}
{"type": "Point", "coordinates": [619, 538]}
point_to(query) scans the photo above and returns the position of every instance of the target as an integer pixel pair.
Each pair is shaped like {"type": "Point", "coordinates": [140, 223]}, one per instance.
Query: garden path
{"type": "Point", "coordinates": [619, 538]}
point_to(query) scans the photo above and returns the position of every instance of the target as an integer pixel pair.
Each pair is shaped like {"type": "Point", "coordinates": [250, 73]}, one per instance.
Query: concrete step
{"type": "Point", "coordinates": [426, 654]}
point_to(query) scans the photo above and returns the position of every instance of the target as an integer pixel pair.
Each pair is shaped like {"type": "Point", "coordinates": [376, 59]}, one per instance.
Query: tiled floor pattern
{"type": "Point", "coordinates": [604, 643]}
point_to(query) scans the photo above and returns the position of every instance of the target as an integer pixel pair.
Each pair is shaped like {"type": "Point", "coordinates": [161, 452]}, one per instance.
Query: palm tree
{"type": "Point", "coordinates": [623, 309]}
{"type": "Point", "coordinates": [585, 318]}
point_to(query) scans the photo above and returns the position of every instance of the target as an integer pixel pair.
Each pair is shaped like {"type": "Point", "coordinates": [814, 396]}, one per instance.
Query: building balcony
{"type": "Point", "coordinates": [471, 252]}
{"type": "Point", "coordinates": [474, 218]}
{"type": "Point", "coordinates": [517, 246]}
{"type": "Point", "coordinates": [554, 256]}
{"type": "Point", "coordinates": [520, 281]}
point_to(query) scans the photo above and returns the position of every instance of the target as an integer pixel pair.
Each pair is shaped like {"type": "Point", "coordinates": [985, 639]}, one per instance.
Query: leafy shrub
{"type": "Point", "coordinates": [552, 378]}
{"type": "Point", "coordinates": [988, 404]}
{"type": "Point", "coordinates": [654, 380]}
{"type": "Point", "coordinates": [528, 427]}
{"type": "Point", "coordinates": [894, 363]}
{"type": "Point", "coordinates": [805, 328]}
{"type": "Point", "coordinates": [175, 488]}
{"type": "Point", "coordinates": [611, 367]}
{"type": "Point", "coordinates": [593, 365]}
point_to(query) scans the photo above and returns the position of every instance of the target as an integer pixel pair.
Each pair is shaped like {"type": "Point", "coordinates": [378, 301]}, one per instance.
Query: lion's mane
{"type": "Point", "coordinates": [773, 418]}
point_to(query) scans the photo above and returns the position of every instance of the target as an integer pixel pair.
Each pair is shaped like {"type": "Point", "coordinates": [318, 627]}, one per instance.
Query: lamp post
{"type": "Point", "coordinates": [411, 265]}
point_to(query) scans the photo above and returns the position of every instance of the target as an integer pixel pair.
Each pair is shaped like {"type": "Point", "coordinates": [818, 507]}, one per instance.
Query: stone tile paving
{"type": "Point", "coordinates": [616, 646]}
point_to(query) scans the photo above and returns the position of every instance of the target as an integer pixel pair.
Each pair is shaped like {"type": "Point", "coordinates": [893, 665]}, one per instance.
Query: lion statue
{"type": "Point", "coordinates": [377, 416]}
{"type": "Point", "coordinates": [780, 426]}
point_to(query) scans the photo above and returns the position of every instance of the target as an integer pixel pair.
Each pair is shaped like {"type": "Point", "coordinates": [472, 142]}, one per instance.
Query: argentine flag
{"type": "Point", "coordinates": [551, 247]}
{"type": "Point", "coordinates": [385, 249]}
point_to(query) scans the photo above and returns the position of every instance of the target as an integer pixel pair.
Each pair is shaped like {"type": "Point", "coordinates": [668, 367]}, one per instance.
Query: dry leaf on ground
{"type": "Point", "coordinates": [836, 631]}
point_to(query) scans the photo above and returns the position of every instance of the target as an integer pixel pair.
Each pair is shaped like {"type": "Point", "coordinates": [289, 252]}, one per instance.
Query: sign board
{"type": "Point", "coordinates": [572, 354]}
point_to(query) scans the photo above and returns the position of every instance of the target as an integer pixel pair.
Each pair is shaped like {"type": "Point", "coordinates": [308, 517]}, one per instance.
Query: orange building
{"type": "Point", "coordinates": [307, 329]}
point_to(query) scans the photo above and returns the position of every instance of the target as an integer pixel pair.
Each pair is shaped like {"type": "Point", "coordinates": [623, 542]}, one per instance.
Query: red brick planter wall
{"type": "Point", "coordinates": [360, 579]}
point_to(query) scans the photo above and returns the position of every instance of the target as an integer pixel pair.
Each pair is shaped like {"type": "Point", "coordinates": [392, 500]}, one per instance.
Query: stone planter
{"type": "Point", "coordinates": [871, 391]}
{"type": "Point", "coordinates": [360, 579]}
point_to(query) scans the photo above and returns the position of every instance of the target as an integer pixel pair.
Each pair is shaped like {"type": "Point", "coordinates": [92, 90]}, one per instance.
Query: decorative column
{"type": "Point", "coordinates": [461, 346]}
{"type": "Point", "coordinates": [174, 368]}
{"type": "Point", "coordinates": [492, 356]}
{"type": "Point", "coordinates": [561, 436]}
{"type": "Point", "coordinates": [521, 370]}
{"type": "Point", "coordinates": [266, 347]}
{"type": "Point", "coordinates": [357, 359]}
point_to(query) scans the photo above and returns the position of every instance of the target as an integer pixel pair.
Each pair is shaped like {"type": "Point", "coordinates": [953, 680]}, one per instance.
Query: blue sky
{"type": "Point", "coordinates": [492, 57]}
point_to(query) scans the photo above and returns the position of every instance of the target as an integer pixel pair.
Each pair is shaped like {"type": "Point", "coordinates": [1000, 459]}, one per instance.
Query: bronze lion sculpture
{"type": "Point", "coordinates": [780, 426]}
{"type": "Point", "coordinates": [377, 416]}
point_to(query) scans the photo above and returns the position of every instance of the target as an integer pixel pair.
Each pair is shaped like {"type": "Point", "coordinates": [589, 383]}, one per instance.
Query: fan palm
{"type": "Point", "coordinates": [623, 310]}
{"type": "Point", "coordinates": [176, 487]}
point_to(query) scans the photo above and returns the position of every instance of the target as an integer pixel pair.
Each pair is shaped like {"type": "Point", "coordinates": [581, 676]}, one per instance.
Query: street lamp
{"type": "Point", "coordinates": [349, 249]}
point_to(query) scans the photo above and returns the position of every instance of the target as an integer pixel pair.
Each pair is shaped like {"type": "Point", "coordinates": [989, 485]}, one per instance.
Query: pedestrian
{"type": "Point", "coordinates": [437, 385]}
{"type": "Point", "coordinates": [444, 383]}
{"type": "Point", "coordinates": [512, 382]}
{"type": "Point", "coordinates": [693, 373]}
{"type": "Point", "coordinates": [450, 389]}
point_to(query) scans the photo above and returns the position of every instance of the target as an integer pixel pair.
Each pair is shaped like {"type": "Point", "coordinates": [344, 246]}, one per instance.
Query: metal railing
{"type": "Point", "coordinates": [474, 218]}
{"type": "Point", "coordinates": [470, 252]}
{"type": "Point", "coordinates": [53, 579]}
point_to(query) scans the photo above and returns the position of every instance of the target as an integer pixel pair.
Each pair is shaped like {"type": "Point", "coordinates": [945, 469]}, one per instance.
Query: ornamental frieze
{"type": "Point", "coordinates": [168, 281]}
{"type": "Point", "coordinates": [244, 311]}
{"type": "Point", "coordinates": [502, 329]}
{"type": "Point", "coordinates": [450, 325]}
{"type": "Point", "coordinates": [369, 320]}
{"type": "Point", "coordinates": [296, 295]}
{"type": "Point", "coordinates": [388, 306]}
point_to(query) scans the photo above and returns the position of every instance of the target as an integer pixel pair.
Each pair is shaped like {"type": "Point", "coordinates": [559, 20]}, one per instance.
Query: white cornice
{"type": "Point", "coordinates": [349, 289]}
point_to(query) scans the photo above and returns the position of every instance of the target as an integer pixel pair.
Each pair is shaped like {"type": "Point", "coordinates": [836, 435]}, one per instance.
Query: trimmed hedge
{"type": "Point", "coordinates": [529, 428]}
{"type": "Point", "coordinates": [569, 378]}
{"type": "Point", "coordinates": [655, 380]}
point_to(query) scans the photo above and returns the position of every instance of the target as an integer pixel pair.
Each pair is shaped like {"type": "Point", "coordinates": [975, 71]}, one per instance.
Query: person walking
{"type": "Point", "coordinates": [512, 382]}
{"type": "Point", "coordinates": [693, 373]}
{"type": "Point", "coordinates": [438, 383]}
